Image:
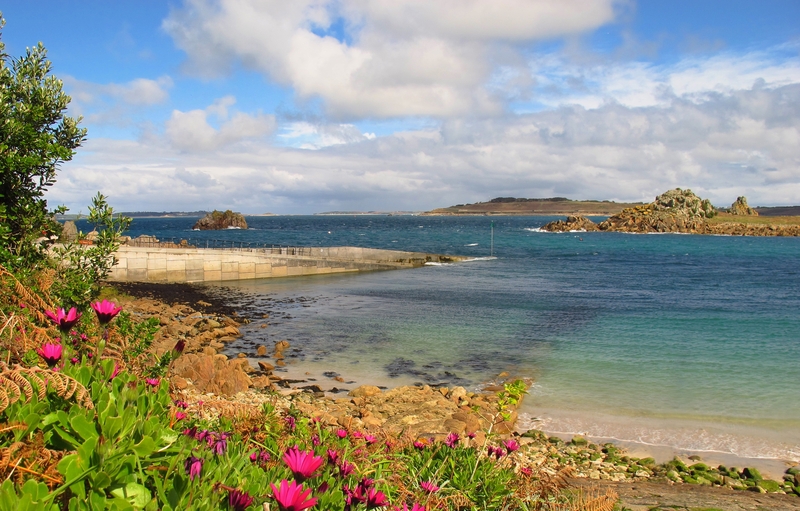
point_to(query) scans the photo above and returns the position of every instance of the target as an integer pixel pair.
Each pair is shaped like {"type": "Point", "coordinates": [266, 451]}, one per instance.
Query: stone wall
{"type": "Point", "coordinates": [154, 264]}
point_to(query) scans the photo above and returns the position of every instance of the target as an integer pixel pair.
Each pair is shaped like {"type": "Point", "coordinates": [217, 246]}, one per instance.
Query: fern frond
{"type": "Point", "coordinates": [16, 382]}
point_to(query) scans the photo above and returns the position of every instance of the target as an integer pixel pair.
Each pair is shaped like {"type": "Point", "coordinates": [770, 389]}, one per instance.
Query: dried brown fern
{"type": "Point", "coordinates": [35, 303]}
{"type": "Point", "coordinates": [20, 381]}
{"type": "Point", "coordinates": [25, 460]}
{"type": "Point", "coordinates": [591, 500]}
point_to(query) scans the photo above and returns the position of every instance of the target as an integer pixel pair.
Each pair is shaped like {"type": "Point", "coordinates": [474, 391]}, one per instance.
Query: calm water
{"type": "Point", "coordinates": [686, 341]}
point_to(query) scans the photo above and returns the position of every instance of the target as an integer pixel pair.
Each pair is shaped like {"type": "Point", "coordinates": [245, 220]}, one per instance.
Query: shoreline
{"type": "Point", "coordinates": [771, 467]}
{"type": "Point", "coordinates": [200, 298]}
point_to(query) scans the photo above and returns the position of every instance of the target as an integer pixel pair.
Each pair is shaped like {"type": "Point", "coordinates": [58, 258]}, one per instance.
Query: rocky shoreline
{"type": "Point", "coordinates": [212, 383]}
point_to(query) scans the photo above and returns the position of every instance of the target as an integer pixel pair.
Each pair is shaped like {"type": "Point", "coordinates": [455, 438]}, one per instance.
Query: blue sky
{"type": "Point", "coordinates": [317, 105]}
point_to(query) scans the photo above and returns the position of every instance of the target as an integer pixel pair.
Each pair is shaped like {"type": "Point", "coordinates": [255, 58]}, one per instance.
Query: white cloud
{"type": "Point", "coordinates": [722, 146]}
{"type": "Point", "coordinates": [402, 58]}
{"type": "Point", "coordinates": [138, 92]}
{"type": "Point", "coordinates": [192, 132]}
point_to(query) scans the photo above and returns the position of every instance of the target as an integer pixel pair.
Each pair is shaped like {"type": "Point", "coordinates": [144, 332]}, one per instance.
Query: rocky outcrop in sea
{"type": "Point", "coordinates": [217, 220]}
{"type": "Point", "coordinates": [679, 211]}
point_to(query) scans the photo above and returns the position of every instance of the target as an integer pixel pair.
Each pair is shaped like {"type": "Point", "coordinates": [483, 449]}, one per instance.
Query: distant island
{"type": "Point", "coordinates": [375, 213]}
{"type": "Point", "coordinates": [544, 207]}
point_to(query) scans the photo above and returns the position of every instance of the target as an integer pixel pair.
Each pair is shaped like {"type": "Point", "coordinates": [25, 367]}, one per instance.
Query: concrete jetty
{"type": "Point", "coordinates": [191, 264]}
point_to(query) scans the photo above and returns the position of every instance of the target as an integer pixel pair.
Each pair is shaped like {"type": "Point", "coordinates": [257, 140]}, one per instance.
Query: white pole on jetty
{"type": "Point", "coordinates": [491, 250]}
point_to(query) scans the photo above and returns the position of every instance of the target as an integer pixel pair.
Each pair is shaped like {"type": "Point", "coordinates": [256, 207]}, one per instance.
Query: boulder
{"type": "Point", "coordinates": [740, 207]}
{"type": "Point", "coordinates": [573, 223]}
{"type": "Point", "coordinates": [69, 232]}
{"type": "Point", "coordinates": [213, 373]}
{"type": "Point", "coordinates": [217, 220]}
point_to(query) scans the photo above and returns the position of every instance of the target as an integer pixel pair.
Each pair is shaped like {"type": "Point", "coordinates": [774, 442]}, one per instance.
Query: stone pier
{"type": "Point", "coordinates": [190, 264]}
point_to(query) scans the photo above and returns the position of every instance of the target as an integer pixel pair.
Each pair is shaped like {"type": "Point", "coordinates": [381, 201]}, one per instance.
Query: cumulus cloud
{"type": "Point", "coordinates": [721, 146]}
{"type": "Point", "coordinates": [395, 58]}
{"type": "Point", "coordinates": [138, 92]}
{"type": "Point", "coordinates": [192, 131]}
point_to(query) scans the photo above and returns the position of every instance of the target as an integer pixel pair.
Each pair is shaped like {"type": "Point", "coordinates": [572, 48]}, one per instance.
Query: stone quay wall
{"type": "Point", "coordinates": [189, 264]}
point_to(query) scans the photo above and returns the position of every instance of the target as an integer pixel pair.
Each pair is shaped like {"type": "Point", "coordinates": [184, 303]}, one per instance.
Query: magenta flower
{"type": "Point", "coordinates": [105, 311]}
{"type": "Point", "coordinates": [341, 433]}
{"type": "Point", "coordinates": [511, 445]}
{"type": "Point", "coordinates": [303, 464]}
{"type": "Point", "coordinates": [315, 440]}
{"type": "Point", "coordinates": [526, 471]}
{"type": "Point", "coordinates": [51, 353]}
{"type": "Point", "coordinates": [179, 415]}
{"type": "Point", "coordinates": [218, 442]}
{"type": "Point", "coordinates": [153, 382]}
{"type": "Point", "coordinates": [428, 486]}
{"type": "Point", "coordinates": [64, 320]}
{"type": "Point", "coordinates": [291, 496]}
{"type": "Point", "coordinates": [193, 467]}
{"type": "Point", "coordinates": [370, 439]}
{"type": "Point", "coordinates": [333, 456]}
{"type": "Point", "coordinates": [416, 507]}
{"type": "Point", "coordinates": [178, 348]}
{"type": "Point", "coordinates": [375, 499]}
{"type": "Point", "coordinates": [346, 468]}
{"type": "Point", "coordinates": [291, 422]}
{"type": "Point", "coordinates": [181, 404]}
{"type": "Point", "coordinates": [452, 440]}
{"type": "Point", "coordinates": [239, 500]}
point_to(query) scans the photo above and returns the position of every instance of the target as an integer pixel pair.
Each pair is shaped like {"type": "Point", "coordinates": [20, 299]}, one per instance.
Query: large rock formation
{"type": "Point", "coordinates": [740, 207]}
{"type": "Point", "coordinates": [218, 220]}
{"type": "Point", "coordinates": [673, 211]}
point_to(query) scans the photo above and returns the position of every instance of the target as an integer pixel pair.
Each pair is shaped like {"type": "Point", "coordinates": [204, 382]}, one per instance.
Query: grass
{"type": "Point", "coordinates": [723, 218]}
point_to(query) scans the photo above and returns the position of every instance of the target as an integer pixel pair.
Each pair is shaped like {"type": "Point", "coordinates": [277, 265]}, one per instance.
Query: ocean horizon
{"type": "Point", "coordinates": [685, 341]}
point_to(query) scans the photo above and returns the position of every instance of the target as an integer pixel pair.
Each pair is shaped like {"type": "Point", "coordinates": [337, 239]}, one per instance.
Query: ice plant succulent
{"type": "Point", "coordinates": [511, 445]}
{"type": "Point", "coordinates": [106, 311]}
{"type": "Point", "coordinates": [51, 353]}
{"type": "Point", "coordinates": [303, 464]}
{"type": "Point", "coordinates": [292, 497]}
{"type": "Point", "coordinates": [452, 440]}
{"type": "Point", "coordinates": [64, 320]}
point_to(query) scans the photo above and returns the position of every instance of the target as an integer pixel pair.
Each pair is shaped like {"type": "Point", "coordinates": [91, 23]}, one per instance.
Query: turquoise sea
{"type": "Point", "coordinates": [686, 341]}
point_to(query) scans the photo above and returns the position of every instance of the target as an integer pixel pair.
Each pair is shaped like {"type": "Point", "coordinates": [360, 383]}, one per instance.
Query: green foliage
{"type": "Point", "coordinates": [35, 138]}
{"type": "Point", "coordinates": [510, 396]}
{"type": "Point", "coordinates": [83, 267]}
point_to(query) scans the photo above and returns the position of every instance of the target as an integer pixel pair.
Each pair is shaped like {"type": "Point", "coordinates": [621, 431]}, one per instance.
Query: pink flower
{"type": "Point", "coordinates": [452, 440]}
{"type": "Point", "coordinates": [116, 371]}
{"type": "Point", "coordinates": [51, 353]}
{"type": "Point", "coordinates": [193, 467]}
{"type": "Point", "coordinates": [417, 507]}
{"type": "Point", "coordinates": [303, 464]}
{"type": "Point", "coordinates": [370, 439]}
{"type": "Point", "coordinates": [526, 471]}
{"type": "Point", "coordinates": [105, 311]}
{"type": "Point", "coordinates": [511, 445]}
{"type": "Point", "coordinates": [64, 320]}
{"type": "Point", "coordinates": [428, 486]}
{"type": "Point", "coordinates": [315, 440]}
{"type": "Point", "coordinates": [420, 444]}
{"type": "Point", "coordinates": [180, 415]}
{"type": "Point", "coordinates": [291, 496]}
{"type": "Point", "coordinates": [375, 499]}
{"type": "Point", "coordinates": [341, 433]}
{"type": "Point", "coordinates": [291, 422]}
{"type": "Point", "coordinates": [153, 382]}
{"type": "Point", "coordinates": [346, 468]}
{"type": "Point", "coordinates": [239, 500]}
{"type": "Point", "coordinates": [333, 456]}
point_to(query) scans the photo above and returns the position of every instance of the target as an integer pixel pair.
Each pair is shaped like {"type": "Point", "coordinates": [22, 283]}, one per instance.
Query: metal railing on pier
{"type": "Point", "coordinates": [231, 245]}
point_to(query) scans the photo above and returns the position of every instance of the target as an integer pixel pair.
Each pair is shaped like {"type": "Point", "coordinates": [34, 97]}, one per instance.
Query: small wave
{"type": "Point", "coordinates": [471, 245]}
{"type": "Point", "coordinates": [431, 263]}
{"type": "Point", "coordinates": [233, 227]}
{"type": "Point", "coordinates": [487, 258]}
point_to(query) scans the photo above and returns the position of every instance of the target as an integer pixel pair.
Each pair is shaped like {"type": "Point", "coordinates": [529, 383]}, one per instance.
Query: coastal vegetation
{"type": "Point", "coordinates": [90, 417]}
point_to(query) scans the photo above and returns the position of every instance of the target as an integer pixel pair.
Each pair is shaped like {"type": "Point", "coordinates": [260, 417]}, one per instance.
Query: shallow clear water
{"type": "Point", "coordinates": [688, 341]}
